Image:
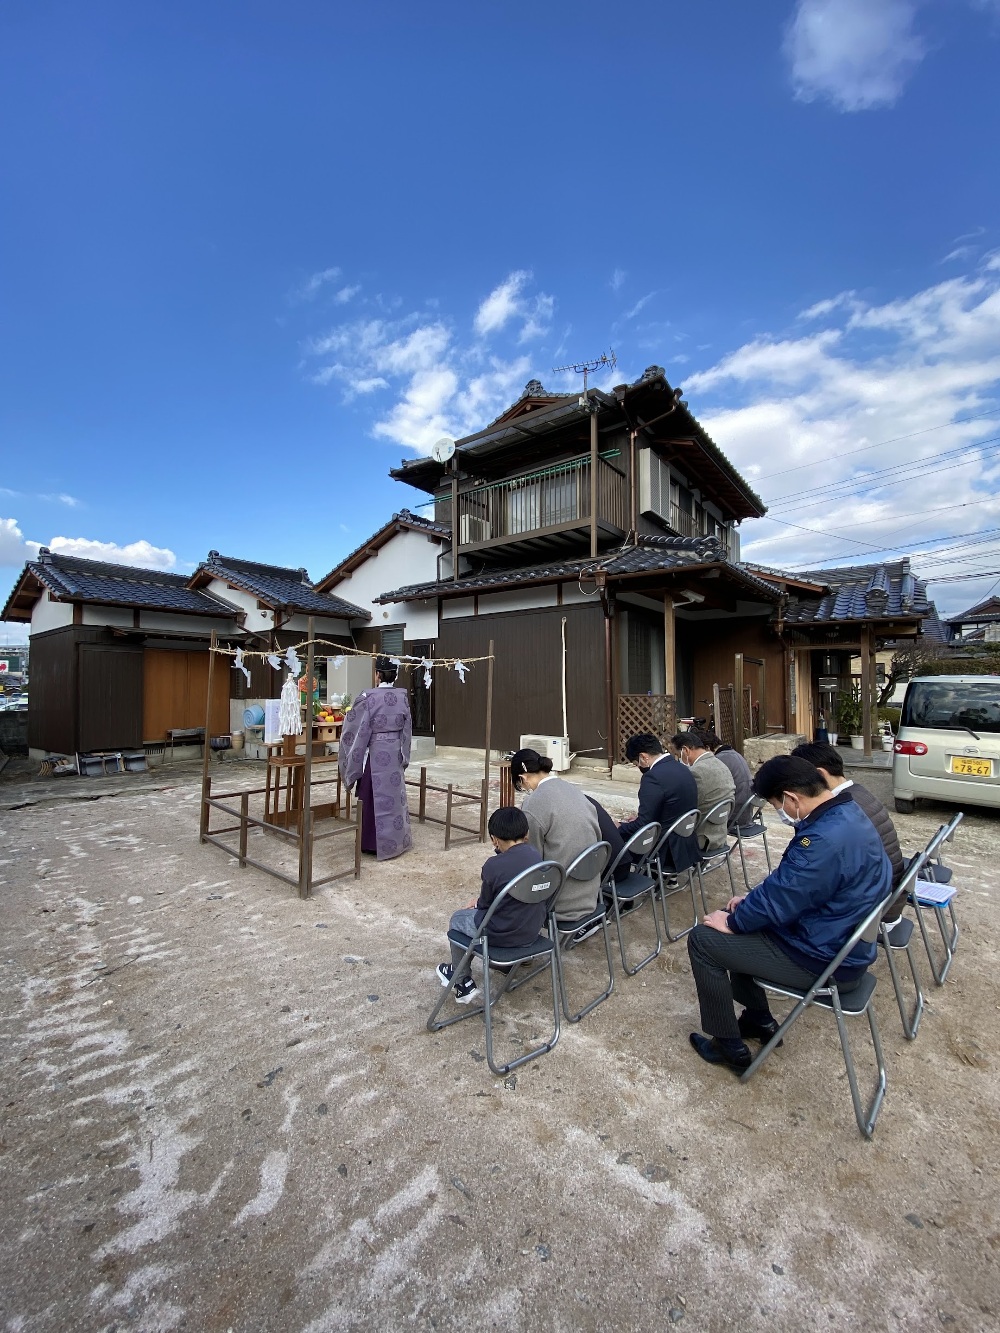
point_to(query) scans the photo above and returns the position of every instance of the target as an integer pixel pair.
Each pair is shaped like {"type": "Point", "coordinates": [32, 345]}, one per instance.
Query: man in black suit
{"type": "Point", "coordinates": [667, 791]}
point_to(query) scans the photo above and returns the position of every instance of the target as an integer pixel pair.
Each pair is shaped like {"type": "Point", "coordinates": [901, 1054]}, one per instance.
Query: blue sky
{"type": "Point", "coordinates": [253, 254]}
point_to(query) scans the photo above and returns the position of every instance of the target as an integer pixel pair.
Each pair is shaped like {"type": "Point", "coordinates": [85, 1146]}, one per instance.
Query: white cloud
{"type": "Point", "coordinates": [314, 284]}
{"type": "Point", "coordinates": [639, 305]}
{"type": "Point", "coordinates": [617, 280]}
{"type": "Point", "coordinates": [857, 54]}
{"type": "Point", "coordinates": [440, 386]}
{"type": "Point", "coordinates": [347, 294]}
{"type": "Point", "coordinates": [14, 550]}
{"type": "Point", "coordinates": [790, 412]}
{"type": "Point", "coordinates": [142, 554]}
{"type": "Point", "coordinates": [502, 304]}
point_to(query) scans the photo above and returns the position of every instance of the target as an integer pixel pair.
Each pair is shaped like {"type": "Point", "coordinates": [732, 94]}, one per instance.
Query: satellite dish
{"type": "Point", "coordinates": [443, 450]}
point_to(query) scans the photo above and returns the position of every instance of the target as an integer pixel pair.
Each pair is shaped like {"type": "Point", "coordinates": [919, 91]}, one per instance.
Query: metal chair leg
{"type": "Point", "coordinates": [865, 1117]}
{"type": "Point", "coordinates": [502, 1070]}
{"type": "Point", "coordinates": [665, 894]}
{"type": "Point", "coordinates": [939, 971]}
{"type": "Point", "coordinates": [582, 1013]}
{"type": "Point", "coordinates": [909, 1018]}
{"type": "Point", "coordinates": [631, 971]}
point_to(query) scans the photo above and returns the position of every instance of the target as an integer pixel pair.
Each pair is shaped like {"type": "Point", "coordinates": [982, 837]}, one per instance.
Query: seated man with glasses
{"type": "Point", "coordinates": [790, 927]}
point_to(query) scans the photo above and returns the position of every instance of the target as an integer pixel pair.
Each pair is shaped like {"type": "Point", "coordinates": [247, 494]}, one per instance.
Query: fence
{"type": "Point", "coordinates": [539, 501]}
{"type": "Point", "coordinates": [454, 798]}
{"type": "Point", "coordinates": [645, 714]}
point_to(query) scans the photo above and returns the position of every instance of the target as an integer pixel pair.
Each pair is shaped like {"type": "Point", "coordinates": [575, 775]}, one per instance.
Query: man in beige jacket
{"type": "Point", "coordinates": [713, 780]}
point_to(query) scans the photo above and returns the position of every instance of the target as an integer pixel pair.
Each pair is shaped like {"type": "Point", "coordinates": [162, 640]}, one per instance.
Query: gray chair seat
{"type": "Point", "coordinates": [515, 953]}
{"type": "Point", "coordinates": [899, 937]}
{"type": "Point", "coordinates": [635, 885]}
{"type": "Point", "coordinates": [854, 1001]}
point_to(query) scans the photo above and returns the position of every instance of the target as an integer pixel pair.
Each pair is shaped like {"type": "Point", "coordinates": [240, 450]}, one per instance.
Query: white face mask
{"type": "Point", "coordinates": [787, 818]}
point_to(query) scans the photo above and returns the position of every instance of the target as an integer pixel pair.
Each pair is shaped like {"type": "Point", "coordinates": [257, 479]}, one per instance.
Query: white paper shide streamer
{"type": "Point", "coordinates": [239, 664]}
{"type": "Point", "coordinates": [289, 714]}
{"type": "Point", "coordinates": [274, 661]}
{"type": "Point", "coordinates": [428, 667]}
{"type": "Point", "coordinates": [460, 670]}
{"type": "Point", "coordinates": [293, 663]}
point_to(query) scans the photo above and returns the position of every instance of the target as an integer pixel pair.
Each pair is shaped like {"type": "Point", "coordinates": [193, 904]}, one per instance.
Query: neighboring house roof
{"type": "Point", "coordinates": [646, 399]}
{"type": "Point", "coordinates": [983, 613]}
{"type": "Point", "coordinates": [72, 579]}
{"type": "Point", "coordinates": [277, 587]}
{"type": "Point", "coordinates": [649, 556]}
{"type": "Point", "coordinates": [404, 521]}
{"type": "Point", "coordinates": [887, 591]}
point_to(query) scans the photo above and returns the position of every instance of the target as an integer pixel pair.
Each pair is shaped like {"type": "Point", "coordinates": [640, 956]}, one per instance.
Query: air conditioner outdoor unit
{"type": "Point", "coordinates": [555, 748]}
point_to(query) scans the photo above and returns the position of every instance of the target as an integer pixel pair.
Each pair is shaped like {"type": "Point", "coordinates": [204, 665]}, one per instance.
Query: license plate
{"type": "Point", "coordinates": [971, 768]}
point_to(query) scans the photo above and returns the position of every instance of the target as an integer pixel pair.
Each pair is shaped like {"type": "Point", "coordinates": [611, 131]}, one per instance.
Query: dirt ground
{"type": "Point", "coordinates": [221, 1111]}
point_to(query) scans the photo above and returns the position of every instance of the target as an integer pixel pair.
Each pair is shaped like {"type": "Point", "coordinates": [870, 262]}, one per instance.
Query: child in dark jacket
{"type": "Point", "coordinates": [513, 922]}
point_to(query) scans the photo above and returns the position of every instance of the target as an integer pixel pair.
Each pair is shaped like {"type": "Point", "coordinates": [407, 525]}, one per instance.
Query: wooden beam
{"type": "Point", "coordinates": [866, 689]}
{"type": "Point", "coordinates": [738, 705]}
{"type": "Point", "coordinates": [669, 647]}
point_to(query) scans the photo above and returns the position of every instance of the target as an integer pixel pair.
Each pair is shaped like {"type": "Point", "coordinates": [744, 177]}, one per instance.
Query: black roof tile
{"type": "Point", "coordinates": [888, 591]}
{"type": "Point", "coordinates": [75, 579]}
{"type": "Point", "coordinates": [276, 586]}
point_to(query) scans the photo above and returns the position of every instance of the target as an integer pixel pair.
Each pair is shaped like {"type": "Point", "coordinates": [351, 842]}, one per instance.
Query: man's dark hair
{"type": "Point", "coordinates": [508, 824]}
{"type": "Point", "coordinates": [787, 773]}
{"type": "Point", "coordinates": [821, 756]}
{"type": "Point", "coordinates": [711, 740]}
{"type": "Point", "coordinates": [644, 744]}
{"type": "Point", "coordinates": [693, 740]}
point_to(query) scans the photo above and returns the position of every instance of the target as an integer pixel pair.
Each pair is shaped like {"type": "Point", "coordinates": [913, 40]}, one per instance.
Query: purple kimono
{"type": "Point", "coordinates": [374, 751]}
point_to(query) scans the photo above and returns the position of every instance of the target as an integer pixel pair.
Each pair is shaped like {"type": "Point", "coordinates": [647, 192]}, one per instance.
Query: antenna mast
{"type": "Point", "coordinates": [585, 368]}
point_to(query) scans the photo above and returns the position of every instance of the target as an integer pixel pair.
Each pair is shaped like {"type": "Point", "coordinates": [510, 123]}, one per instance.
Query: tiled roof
{"type": "Point", "coordinates": [983, 613]}
{"type": "Point", "coordinates": [861, 592]}
{"type": "Point", "coordinates": [276, 586]}
{"type": "Point", "coordinates": [650, 555]}
{"type": "Point", "coordinates": [404, 519]}
{"type": "Point", "coordinates": [74, 579]}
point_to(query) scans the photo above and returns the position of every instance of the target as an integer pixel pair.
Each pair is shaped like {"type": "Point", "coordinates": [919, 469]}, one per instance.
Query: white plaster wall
{"type": "Point", "coordinates": [166, 620]}
{"type": "Point", "coordinates": [47, 614]}
{"type": "Point", "coordinates": [257, 622]}
{"type": "Point", "coordinates": [408, 557]}
{"type": "Point", "coordinates": [118, 616]}
{"type": "Point", "coordinates": [322, 627]}
{"type": "Point", "coordinates": [519, 599]}
{"type": "Point", "coordinates": [572, 596]}
{"type": "Point", "coordinates": [456, 608]}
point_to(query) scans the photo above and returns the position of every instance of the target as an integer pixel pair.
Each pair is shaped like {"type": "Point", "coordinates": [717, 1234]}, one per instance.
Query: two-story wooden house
{"type": "Point", "coordinates": [605, 522]}
{"type": "Point", "coordinates": [595, 541]}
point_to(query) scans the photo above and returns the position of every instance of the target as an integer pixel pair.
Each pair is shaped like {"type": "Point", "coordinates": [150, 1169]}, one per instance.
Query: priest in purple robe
{"type": "Point", "coordinates": [374, 752]}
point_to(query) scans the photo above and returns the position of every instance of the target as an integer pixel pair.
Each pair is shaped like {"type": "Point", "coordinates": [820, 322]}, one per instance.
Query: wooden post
{"type": "Point", "coordinates": [422, 815]}
{"type": "Point", "coordinates": [306, 822]}
{"type": "Point", "coordinates": [738, 706]}
{"type": "Point", "coordinates": [483, 807]}
{"type": "Point", "coordinates": [609, 687]}
{"type": "Point", "coordinates": [447, 820]}
{"type": "Point", "coordinates": [866, 689]}
{"type": "Point", "coordinates": [244, 814]}
{"type": "Point", "coordinates": [456, 527]}
{"type": "Point", "coordinates": [594, 460]}
{"type": "Point", "coordinates": [489, 713]}
{"type": "Point", "coordinates": [206, 749]}
{"type": "Point", "coordinates": [669, 647]}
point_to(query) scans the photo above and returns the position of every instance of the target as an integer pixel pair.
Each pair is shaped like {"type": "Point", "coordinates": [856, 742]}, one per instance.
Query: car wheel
{"type": "Point", "coordinates": [904, 807]}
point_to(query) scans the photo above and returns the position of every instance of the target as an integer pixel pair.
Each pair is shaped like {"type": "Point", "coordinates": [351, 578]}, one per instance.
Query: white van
{"type": "Point", "coordinates": [948, 745]}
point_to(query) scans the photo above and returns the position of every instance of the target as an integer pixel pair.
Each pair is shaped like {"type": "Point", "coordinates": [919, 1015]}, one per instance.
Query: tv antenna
{"type": "Point", "coordinates": [585, 368]}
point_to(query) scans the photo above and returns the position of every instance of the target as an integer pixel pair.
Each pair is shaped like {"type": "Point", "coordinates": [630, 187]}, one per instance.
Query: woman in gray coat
{"type": "Point", "coordinates": [562, 823]}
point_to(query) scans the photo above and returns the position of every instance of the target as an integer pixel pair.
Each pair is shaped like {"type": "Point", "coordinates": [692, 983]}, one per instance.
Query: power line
{"type": "Point", "coordinates": [893, 439]}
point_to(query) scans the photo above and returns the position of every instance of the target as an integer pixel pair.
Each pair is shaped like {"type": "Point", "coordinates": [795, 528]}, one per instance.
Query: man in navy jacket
{"type": "Point", "coordinates": [790, 927]}
{"type": "Point", "coordinates": [667, 790]}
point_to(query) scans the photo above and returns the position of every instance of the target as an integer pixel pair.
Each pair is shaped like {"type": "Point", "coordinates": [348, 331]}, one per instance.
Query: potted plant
{"type": "Point", "coordinates": [849, 720]}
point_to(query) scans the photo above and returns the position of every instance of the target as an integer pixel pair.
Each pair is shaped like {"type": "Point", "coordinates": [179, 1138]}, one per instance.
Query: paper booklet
{"type": "Point", "coordinates": [933, 895]}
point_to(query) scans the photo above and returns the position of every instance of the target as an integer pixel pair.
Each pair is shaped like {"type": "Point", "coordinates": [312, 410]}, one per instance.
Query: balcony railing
{"type": "Point", "coordinates": [696, 525]}
{"type": "Point", "coordinates": [550, 500]}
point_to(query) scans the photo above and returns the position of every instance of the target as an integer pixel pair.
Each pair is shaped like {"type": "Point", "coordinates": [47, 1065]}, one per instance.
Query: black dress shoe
{"type": "Point", "coordinates": [762, 1032]}
{"type": "Point", "coordinates": [709, 1049]}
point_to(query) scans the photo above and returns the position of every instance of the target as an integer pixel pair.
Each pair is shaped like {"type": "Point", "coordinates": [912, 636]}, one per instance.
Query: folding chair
{"type": "Point", "coordinates": [538, 884]}
{"type": "Point", "coordinates": [900, 940]}
{"type": "Point", "coordinates": [631, 891]}
{"type": "Point", "coordinates": [711, 820]}
{"type": "Point", "coordinates": [681, 828]}
{"type": "Point", "coordinates": [851, 1003]}
{"type": "Point", "coordinates": [749, 825]}
{"type": "Point", "coordinates": [941, 874]}
{"type": "Point", "coordinates": [590, 863]}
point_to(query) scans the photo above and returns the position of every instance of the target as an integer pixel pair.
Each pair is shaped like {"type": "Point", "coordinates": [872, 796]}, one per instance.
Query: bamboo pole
{"type": "Point", "coordinates": [305, 825]}
{"type": "Point", "coordinates": [206, 749]}
{"type": "Point", "coordinates": [738, 706]}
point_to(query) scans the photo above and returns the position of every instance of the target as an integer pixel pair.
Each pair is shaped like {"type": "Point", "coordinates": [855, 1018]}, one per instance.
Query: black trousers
{"type": "Point", "coordinates": [724, 967]}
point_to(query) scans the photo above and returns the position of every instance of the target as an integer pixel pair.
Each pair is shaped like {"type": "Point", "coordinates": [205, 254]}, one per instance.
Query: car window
{"type": "Point", "coordinates": [964, 705]}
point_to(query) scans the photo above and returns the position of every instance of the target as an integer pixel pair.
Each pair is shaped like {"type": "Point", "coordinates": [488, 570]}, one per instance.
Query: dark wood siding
{"type": "Point", "coordinates": [110, 697]}
{"type": "Point", "coordinates": [52, 709]}
{"type": "Point", "coordinates": [711, 646]}
{"type": "Point", "coordinates": [527, 692]}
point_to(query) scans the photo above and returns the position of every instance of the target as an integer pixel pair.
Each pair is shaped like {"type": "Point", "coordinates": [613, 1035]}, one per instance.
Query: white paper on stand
{"type": "Point", "coordinates": [272, 725]}
{"type": "Point", "coordinates": [933, 895]}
